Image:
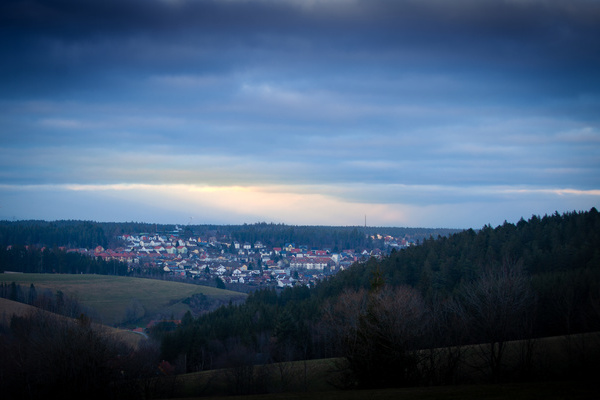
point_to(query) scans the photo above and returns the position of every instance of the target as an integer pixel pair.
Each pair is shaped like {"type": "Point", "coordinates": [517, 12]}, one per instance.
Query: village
{"type": "Point", "coordinates": [227, 263]}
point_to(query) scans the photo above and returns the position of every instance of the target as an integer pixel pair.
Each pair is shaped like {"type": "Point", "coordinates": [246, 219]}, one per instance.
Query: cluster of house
{"type": "Point", "coordinates": [252, 264]}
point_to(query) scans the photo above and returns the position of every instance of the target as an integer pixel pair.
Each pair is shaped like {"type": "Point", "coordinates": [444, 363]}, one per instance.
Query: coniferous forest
{"type": "Point", "coordinates": [420, 315]}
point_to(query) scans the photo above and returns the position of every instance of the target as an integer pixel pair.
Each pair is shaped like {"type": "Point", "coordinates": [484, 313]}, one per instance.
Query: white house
{"type": "Point", "coordinates": [284, 283]}
{"type": "Point", "coordinates": [221, 270]}
{"type": "Point", "coordinates": [171, 249]}
{"type": "Point", "coordinates": [182, 250]}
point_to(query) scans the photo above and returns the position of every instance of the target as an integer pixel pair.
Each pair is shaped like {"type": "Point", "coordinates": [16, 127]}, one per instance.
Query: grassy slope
{"type": "Point", "coordinates": [110, 296]}
{"type": "Point", "coordinates": [9, 308]}
{"type": "Point", "coordinates": [553, 357]}
{"type": "Point", "coordinates": [193, 386]}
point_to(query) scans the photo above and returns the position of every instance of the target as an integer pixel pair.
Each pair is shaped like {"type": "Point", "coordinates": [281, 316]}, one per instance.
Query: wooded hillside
{"type": "Point", "coordinates": [536, 278]}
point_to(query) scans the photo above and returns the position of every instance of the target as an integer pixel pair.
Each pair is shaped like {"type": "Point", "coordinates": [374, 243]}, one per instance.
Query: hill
{"type": "Point", "coordinates": [537, 278]}
{"type": "Point", "coordinates": [116, 299]}
{"type": "Point", "coordinates": [8, 308]}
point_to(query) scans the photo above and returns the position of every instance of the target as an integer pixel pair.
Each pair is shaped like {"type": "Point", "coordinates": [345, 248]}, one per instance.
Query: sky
{"type": "Point", "coordinates": [428, 113]}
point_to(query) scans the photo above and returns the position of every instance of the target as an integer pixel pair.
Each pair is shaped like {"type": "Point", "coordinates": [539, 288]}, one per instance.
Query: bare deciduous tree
{"type": "Point", "coordinates": [377, 332]}
{"type": "Point", "coordinates": [444, 338]}
{"type": "Point", "coordinates": [51, 356]}
{"type": "Point", "coordinates": [496, 308]}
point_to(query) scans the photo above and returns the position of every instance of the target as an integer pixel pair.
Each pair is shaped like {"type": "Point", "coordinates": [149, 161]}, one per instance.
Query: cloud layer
{"type": "Point", "coordinates": [470, 112]}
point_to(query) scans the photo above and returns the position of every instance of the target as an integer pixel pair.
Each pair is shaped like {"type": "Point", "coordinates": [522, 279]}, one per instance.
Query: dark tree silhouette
{"type": "Point", "coordinates": [496, 308]}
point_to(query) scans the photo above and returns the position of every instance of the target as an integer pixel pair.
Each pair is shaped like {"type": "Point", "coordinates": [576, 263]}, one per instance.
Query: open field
{"type": "Point", "coordinates": [111, 296]}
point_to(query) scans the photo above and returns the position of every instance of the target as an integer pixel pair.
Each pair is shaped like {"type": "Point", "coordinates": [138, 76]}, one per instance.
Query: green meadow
{"type": "Point", "coordinates": [109, 297]}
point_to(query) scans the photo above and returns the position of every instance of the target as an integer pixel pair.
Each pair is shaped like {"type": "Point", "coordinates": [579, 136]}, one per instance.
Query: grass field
{"type": "Point", "coordinates": [111, 296]}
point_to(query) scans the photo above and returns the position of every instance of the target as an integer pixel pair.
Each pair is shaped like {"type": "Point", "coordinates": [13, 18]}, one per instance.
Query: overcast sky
{"type": "Point", "coordinates": [424, 113]}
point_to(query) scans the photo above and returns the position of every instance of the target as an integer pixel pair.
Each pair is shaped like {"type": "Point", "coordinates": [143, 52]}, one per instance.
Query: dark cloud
{"type": "Point", "coordinates": [345, 24]}
{"type": "Point", "coordinates": [430, 92]}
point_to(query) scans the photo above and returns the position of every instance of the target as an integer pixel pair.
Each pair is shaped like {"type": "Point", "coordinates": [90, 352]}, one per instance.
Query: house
{"type": "Point", "coordinates": [281, 283]}
{"type": "Point", "coordinates": [318, 263]}
{"type": "Point", "coordinates": [171, 249]}
{"type": "Point", "coordinates": [203, 240]}
{"type": "Point", "coordinates": [221, 270]}
{"type": "Point", "coordinates": [296, 252]}
{"type": "Point", "coordinates": [182, 250]}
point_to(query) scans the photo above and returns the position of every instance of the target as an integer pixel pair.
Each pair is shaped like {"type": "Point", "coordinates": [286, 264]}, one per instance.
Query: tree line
{"type": "Point", "coordinates": [58, 303]}
{"type": "Point", "coordinates": [72, 234]}
{"type": "Point", "coordinates": [336, 238]}
{"type": "Point", "coordinates": [89, 234]}
{"type": "Point", "coordinates": [31, 259]}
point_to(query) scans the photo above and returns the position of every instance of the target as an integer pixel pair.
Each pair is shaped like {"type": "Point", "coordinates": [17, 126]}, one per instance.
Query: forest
{"type": "Point", "coordinates": [89, 234]}
{"type": "Point", "coordinates": [31, 259]}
